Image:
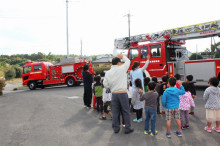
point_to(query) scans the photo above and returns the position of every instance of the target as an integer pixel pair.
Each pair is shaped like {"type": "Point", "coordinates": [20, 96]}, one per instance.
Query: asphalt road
{"type": "Point", "coordinates": [56, 117]}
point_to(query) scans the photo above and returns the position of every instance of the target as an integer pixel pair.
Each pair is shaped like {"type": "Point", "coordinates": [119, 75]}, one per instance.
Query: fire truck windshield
{"type": "Point", "coordinates": [27, 69]}
{"type": "Point", "coordinates": [133, 53]}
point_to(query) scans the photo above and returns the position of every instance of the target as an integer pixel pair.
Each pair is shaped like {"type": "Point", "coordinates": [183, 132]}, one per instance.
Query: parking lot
{"type": "Point", "coordinates": [56, 117]}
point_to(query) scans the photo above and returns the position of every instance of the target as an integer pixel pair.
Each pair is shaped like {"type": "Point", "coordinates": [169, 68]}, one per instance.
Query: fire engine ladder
{"type": "Point", "coordinates": [203, 30]}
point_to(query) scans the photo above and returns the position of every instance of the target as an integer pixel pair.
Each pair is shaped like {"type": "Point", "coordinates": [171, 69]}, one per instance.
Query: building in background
{"type": "Point", "coordinates": [104, 61]}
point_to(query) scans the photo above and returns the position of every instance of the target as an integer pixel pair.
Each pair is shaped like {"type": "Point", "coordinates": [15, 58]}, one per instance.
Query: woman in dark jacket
{"type": "Point", "coordinates": [87, 82]}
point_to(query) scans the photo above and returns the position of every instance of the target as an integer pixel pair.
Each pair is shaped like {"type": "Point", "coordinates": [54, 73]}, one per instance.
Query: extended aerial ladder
{"type": "Point", "coordinates": [202, 30]}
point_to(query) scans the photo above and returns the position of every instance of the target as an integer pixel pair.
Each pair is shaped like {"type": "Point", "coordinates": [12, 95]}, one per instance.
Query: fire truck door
{"type": "Point", "coordinates": [37, 72]}
{"type": "Point", "coordinates": [143, 56]}
{"type": "Point", "coordinates": [156, 67]}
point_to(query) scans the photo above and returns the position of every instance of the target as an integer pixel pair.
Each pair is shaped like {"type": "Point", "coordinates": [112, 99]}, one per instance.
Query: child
{"type": "Point", "coordinates": [137, 104]}
{"type": "Point", "coordinates": [185, 102]}
{"type": "Point", "coordinates": [212, 106]}
{"type": "Point", "coordinates": [150, 98]}
{"type": "Point", "coordinates": [146, 81]}
{"type": "Point", "coordinates": [157, 88]}
{"type": "Point", "coordinates": [98, 89]}
{"type": "Point", "coordinates": [106, 97]}
{"type": "Point", "coordinates": [171, 101]}
{"type": "Point", "coordinates": [192, 90]}
{"type": "Point", "coordinates": [162, 88]}
{"type": "Point", "coordinates": [154, 79]}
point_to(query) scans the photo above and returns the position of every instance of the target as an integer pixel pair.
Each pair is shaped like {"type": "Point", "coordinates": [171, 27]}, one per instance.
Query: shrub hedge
{"type": "Point", "coordinates": [100, 70]}
{"type": "Point", "coordinates": [2, 85]}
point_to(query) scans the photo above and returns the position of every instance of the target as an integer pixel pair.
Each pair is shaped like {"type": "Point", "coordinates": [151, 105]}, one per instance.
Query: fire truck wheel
{"type": "Point", "coordinates": [70, 82]}
{"type": "Point", "coordinates": [32, 85]}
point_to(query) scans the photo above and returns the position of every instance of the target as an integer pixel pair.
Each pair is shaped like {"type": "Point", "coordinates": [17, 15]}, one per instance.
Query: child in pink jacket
{"type": "Point", "coordinates": [186, 102]}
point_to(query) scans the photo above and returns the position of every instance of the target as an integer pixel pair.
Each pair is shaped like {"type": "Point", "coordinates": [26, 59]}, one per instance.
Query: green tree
{"type": "Point", "coordinates": [206, 52]}
{"type": "Point", "coordinates": [50, 56]}
{"type": "Point", "coordinates": [16, 60]}
{"type": "Point", "coordinates": [100, 70]}
{"type": "Point", "coordinates": [9, 73]}
{"type": "Point", "coordinates": [94, 58]}
{"type": "Point", "coordinates": [217, 54]}
{"type": "Point", "coordinates": [195, 56]}
{"type": "Point", "coordinates": [18, 71]}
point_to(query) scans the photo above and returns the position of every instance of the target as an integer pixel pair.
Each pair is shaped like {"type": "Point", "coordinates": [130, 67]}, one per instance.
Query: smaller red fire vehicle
{"type": "Point", "coordinates": [41, 74]}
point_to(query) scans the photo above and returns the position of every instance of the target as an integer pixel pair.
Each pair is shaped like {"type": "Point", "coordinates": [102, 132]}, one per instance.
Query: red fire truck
{"type": "Point", "coordinates": [167, 51]}
{"type": "Point", "coordinates": [41, 74]}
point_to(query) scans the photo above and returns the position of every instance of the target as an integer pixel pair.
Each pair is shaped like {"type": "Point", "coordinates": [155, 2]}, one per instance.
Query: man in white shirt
{"type": "Point", "coordinates": [116, 80]}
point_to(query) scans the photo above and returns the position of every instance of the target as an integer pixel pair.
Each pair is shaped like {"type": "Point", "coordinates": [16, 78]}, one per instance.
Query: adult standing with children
{"type": "Point", "coordinates": [116, 80]}
{"type": "Point", "coordinates": [137, 72]}
{"type": "Point", "coordinates": [87, 82]}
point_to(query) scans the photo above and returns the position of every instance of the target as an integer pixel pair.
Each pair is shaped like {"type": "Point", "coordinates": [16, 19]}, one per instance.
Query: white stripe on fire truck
{"type": "Point", "coordinates": [153, 61]}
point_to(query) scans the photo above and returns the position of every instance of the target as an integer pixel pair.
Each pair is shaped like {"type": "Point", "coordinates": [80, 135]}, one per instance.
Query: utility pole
{"type": "Point", "coordinates": [81, 49]}
{"type": "Point", "coordinates": [67, 30]}
{"type": "Point", "coordinates": [129, 31]}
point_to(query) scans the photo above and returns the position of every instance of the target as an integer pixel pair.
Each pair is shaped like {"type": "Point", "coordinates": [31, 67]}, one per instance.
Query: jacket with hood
{"type": "Point", "coordinates": [212, 97]}
{"type": "Point", "coordinates": [171, 99]}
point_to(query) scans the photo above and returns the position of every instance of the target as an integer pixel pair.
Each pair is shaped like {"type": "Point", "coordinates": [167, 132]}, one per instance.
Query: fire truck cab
{"type": "Point", "coordinates": [160, 52]}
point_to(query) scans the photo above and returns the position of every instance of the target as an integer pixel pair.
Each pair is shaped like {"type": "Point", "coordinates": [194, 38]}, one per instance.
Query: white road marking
{"type": "Point", "coordinates": [73, 97]}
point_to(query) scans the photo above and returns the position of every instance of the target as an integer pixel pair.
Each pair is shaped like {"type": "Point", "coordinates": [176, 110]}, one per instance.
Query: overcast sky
{"type": "Point", "coordinates": [31, 26]}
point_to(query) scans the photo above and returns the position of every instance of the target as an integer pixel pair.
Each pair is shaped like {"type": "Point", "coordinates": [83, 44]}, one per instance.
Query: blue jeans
{"type": "Point", "coordinates": [150, 116]}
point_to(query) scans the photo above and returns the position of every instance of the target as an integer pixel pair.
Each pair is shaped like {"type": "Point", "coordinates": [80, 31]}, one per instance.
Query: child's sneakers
{"type": "Point", "coordinates": [185, 127]}
{"type": "Point", "coordinates": [135, 120]}
{"type": "Point", "coordinates": [147, 132]}
{"type": "Point", "coordinates": [208, 129]}
{"type": "Point", "coordinates": [102, 118]}
{"type": "Point", "coordinates": [178, 133]}
{"type": "Point", "coordinates": [168, 134]}
{"type": "Point", "coordinates": [139, 120]}
{"type": "Point", "coordinates": [216, 129]}
{"type": "Point", "coordinates": [153, 134]}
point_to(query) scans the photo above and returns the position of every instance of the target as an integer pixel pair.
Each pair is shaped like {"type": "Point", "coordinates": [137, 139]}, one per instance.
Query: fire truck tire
{"type": "Point", "coordinates": [32, 85]}
{"type": "Point", "coordinates": [70, 82]}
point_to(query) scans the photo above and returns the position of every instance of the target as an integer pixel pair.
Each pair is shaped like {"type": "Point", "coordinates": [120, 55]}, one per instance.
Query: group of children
{"type": "Point", "coordinates": [176, 97]}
